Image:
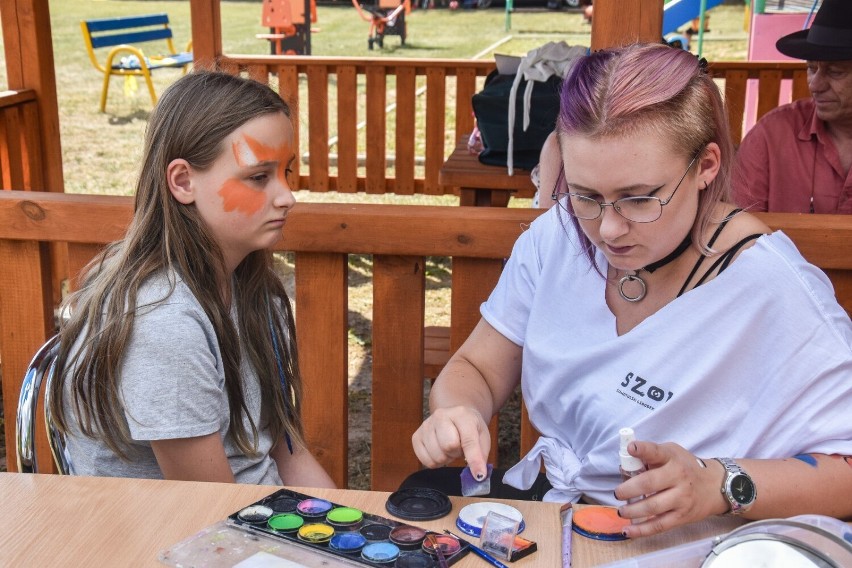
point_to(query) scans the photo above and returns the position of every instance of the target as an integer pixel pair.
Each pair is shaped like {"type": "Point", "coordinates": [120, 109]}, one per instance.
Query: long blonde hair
{"type": "Point", "coordinates": [191, 121]}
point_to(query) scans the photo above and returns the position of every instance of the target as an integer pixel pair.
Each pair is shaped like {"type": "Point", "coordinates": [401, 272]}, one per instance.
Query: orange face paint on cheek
{"type": "Point", "coordinates": [237, 196]}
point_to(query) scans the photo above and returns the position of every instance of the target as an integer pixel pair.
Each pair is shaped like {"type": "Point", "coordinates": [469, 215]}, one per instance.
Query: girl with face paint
{"type": "Point", "coordinates": [179, 359]}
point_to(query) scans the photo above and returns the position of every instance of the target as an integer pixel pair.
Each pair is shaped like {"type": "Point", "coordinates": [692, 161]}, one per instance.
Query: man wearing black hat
{"type": "Point", "coordinates": [797, 157]}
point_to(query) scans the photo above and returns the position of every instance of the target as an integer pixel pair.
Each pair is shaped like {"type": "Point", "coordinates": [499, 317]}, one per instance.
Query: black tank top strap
{"type": "Point", "coordinates": [725, 258]}
{"type": "Point", "coordinates": [712, 240]}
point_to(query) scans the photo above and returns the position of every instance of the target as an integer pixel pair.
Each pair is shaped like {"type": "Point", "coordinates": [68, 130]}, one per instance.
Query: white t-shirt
{"type": "Point", "coordinates": [755, 363]}
{"type": "Point", "coordinates": [172, 385]}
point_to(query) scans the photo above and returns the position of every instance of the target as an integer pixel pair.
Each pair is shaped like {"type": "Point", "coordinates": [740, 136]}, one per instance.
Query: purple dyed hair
{"type": "Point", "coordinates": [650, 88]}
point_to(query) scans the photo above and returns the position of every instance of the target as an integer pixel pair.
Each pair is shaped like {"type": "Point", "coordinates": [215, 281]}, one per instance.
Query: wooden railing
{"type": "Point", "coordinates": [322, 236]}
{"type": "Point", "coordinates": [20, 146]}
{"type": "Point", "coordinates": [766, 78]}
{"type": "Point", "coordinates": [400, 131]}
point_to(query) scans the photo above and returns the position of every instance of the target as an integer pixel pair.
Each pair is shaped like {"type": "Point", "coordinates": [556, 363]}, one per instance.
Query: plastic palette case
{"type": "Point", "coordinates": [345, 533]}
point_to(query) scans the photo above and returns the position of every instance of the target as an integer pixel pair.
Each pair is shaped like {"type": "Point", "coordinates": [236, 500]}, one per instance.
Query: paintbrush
{"type": "Point", "coordinates": [479, 552]}
{"type": "Point", "coordinates": [437, 547]}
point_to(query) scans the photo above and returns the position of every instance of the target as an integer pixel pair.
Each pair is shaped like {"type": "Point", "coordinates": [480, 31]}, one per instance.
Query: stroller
{"type": "Point", "coordinates": [388, 18]}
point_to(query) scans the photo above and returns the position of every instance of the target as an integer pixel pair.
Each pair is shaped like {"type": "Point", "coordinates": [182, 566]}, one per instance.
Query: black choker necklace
{"type": "Point", "coordinates": [634, 277]}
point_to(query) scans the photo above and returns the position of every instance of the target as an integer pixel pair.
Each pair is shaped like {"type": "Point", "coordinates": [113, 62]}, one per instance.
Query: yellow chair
{"type": "Point", "coordinates": [125, 59]}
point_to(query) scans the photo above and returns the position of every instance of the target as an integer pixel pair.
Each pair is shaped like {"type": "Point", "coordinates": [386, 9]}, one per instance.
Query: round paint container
{"type": "Point", "coordinates": [347, 542]}
{"type": "Point", "coordinates": [375, 532]}
{"type": "Point", "coordinates": [599, 522]}
{"type": "Point", "coordinates": [255, 514]}
{"type": "Point", "coordinates": [472, 517]}
{"type": "Point", "coordinates": [449, 545]}
{"type": "Point", "coordinates": [418, 504]}
{"type": "Point", "coordinates": [415, 560]}
{"type": "Point", "coordinates": [407, 537]}
{"type": "Point", "coordinates": [313, 508]}
{"type": "Point", "coordinates": [380, 552]}
{"type": "Point", "coordinates": [344, 518]}
{"type": "Point", "coordinates": [283, 504]}
{"type": "Point", "coordinates": [315, 533]}
{"type": "Point", "coordinates": [285, 522]}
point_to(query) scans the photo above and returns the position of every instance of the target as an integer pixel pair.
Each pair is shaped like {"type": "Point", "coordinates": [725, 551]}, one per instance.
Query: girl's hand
{"type": "Point", "coordinates": [450, 433]}
{"type": "Point", "coordinates": [678, 487]}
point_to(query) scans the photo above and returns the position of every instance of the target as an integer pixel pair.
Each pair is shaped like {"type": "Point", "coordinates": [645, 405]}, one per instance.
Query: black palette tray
{"type": "Point", "coordinates": [289, 499]}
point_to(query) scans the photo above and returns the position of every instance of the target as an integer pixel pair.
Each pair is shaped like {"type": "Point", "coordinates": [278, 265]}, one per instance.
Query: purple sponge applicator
{"type": "Point", "coordinates": [470, 487]}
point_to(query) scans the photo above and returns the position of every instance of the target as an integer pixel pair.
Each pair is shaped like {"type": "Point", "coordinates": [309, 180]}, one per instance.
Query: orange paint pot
{"type": "Point", "coordinates": [599, 523]}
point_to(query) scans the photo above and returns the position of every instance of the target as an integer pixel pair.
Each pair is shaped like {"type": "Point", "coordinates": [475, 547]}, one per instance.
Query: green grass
{"type": "Point", "coordinates": [101, 150]}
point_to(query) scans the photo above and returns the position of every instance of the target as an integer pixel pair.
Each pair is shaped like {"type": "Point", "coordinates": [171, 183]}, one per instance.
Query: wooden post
{"type": "Point", "coordinates": [28, 45]}
{"type": "Point", "coordinates": [206, 32]}
{"type": "Point", "coordinates": [621, 22]}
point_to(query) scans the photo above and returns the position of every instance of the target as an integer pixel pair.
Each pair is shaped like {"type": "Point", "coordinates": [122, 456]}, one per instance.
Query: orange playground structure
{"type": "Point", "coordinates": [289, 24]}
{"type": "Point", "coordinates": [387, 18]}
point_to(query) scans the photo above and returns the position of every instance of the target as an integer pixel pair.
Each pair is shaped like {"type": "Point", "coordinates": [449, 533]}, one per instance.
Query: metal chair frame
{"type": "Point", "coordinates": [40, 372]}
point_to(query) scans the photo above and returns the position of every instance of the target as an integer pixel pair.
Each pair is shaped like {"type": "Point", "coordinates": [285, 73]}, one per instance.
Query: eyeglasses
{"type": "Point", "coordinates": [639, 209]}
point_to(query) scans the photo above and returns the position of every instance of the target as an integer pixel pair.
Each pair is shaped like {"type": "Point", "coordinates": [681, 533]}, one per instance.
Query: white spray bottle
{"type": "Point", "coordinates": [630, 466]}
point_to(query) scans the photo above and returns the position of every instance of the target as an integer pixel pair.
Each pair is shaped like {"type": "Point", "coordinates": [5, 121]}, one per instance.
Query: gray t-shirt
{"type": "Point", "coordinates": [172, 385]}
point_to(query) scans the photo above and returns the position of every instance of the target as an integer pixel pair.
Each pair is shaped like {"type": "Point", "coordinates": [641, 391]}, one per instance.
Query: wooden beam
{"type": "Point", "coordinates": [621, 22]}
{"type": "Point", "coordinates": [206, 20]}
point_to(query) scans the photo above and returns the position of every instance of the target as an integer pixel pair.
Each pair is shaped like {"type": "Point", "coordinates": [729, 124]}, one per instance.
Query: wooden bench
{"type": "Point", "coordinates": [125, 59]}
{"type": "Point", "coordinates": [321, 237]}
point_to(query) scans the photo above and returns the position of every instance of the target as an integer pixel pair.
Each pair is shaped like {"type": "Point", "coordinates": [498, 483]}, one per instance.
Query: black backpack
{"type": "Point", "coordinates": [491, 108]}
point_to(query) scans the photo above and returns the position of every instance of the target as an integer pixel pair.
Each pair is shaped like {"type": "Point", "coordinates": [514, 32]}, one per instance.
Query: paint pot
{"type": "Point", "coordinates": [407, 537]}
{"type": "Point", "coordinates": [375, 532]}
{"type": "Point", "coordinates": [348, 542]}
{"type": "Point", "coordinates": [313, 508]}
{"type": "Point", "coordinates": [415, 560]}
{"type": "Point", "coordinates": [418, 504]}
{"type": "Point", "coordinates": [255, 514]}
{"type": "Point", "coordinates": [472, 517]}
{"type": "Point", "coordinates": [315, 533]}
{"type": "Point", "coordinates": [283, 504]}
{"type": "Point", "coordinates": [380, 552]}
{"type": "Point", "coordinates": [599, 522]}
{"type": "Point", "coordinates": [449, 545]}
{"type": "Point", "coordinates": [285, 522]}
{"type": "Point", "coordinates": [344, 518]}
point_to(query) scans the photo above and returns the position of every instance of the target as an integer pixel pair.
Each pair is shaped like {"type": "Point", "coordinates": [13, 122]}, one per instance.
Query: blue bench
{"type": "Point", "coordinates": [125, 58]}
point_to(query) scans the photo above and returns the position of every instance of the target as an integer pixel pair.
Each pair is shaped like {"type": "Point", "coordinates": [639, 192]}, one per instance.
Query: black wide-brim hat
{"type": "Point", "coordinates": [828, 39]}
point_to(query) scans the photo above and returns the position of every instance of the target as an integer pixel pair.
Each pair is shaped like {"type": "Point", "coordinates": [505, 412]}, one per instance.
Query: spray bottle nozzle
{"type": "Point", "coordinates": [628, 463]}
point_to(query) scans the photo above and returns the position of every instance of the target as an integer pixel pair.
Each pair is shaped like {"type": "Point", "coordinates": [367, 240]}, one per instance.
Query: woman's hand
{"type": "Point", "coordinates": [678, 487]}
{"type": "Point", "coordinates": [450, 433]}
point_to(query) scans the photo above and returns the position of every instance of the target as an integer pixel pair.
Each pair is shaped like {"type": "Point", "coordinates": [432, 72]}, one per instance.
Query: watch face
{"type": "Point", "coordinates": [742, 489]}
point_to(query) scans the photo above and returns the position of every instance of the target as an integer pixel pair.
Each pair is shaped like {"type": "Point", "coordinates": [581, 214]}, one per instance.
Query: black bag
{"type": "Point", "coordinates": [491, 108]}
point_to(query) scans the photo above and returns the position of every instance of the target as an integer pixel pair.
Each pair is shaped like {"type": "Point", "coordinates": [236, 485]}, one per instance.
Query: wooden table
{"type": "Point", "coordinates": [49, 520]}
{"type": "Point", "coordinates": [481, 185]}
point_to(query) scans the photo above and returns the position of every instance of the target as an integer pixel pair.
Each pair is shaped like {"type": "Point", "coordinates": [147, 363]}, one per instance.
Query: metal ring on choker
{"type": "Point", "coordinates": [632, 278]}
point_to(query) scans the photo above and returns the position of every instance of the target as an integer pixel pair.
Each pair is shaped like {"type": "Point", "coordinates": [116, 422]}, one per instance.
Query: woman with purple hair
{"type": "Point", "coordinates": [645, 299]}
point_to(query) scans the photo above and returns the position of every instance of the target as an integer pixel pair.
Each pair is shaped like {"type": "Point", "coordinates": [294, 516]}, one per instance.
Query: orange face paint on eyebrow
{"type": "Point", "coordinates": [249, 148]}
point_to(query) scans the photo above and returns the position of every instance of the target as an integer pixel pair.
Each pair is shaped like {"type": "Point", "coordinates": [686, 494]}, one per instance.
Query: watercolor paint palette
{"type": "Point", "coordinates": [345, 532]}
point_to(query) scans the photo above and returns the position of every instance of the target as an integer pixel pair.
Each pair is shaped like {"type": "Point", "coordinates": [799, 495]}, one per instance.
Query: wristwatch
{"type": "Point", "coordinates": [737, 487]}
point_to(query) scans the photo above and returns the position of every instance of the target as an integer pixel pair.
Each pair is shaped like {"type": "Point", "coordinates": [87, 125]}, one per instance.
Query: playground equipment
{"type": "Point", "coordinates": [289, 25]}
{"type": "Point", "coordinates": [678, 12]}
{"type": "Point", "coordinates": [388, 18]}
